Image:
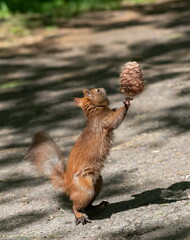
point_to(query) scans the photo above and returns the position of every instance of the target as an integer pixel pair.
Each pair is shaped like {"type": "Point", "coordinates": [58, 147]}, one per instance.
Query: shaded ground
{"type": "Point", "coordinates": [147, 173]}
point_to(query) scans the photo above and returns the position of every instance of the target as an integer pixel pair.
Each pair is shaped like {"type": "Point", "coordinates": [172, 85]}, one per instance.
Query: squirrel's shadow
{"type": "Point", "coordinates": [176, 192]}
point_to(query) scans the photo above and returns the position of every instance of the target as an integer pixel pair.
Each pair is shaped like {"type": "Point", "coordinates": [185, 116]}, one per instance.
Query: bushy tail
{"type": "Point", "coordinates": [46, 155]}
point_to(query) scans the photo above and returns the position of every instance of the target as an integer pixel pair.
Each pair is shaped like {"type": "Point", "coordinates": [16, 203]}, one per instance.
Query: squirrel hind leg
{"type": "Point", "coordinates": [97, 189]}
{"type": "Point", "coordinates": [80, 217]}
{"type": "Point", "coordinates": [82, 194]}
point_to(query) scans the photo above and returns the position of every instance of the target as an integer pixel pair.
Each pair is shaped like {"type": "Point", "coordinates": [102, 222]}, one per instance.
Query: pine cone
{"type": "Point", "coordinates": [131, 79]}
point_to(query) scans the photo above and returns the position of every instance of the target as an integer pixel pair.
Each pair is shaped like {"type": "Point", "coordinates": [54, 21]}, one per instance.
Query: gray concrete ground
{"type": "Point", "coordinates": [146, 176]}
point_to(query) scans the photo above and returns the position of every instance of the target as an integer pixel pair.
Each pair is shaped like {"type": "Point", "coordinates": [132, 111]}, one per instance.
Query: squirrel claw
{"type": "Point", "coordinates": [127, 102]}
{"type": "Point", "coordinates": [84, 220]}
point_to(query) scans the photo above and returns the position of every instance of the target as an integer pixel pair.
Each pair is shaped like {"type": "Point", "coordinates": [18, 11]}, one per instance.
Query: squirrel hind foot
{"type": "Point", "coordinates": [83, 219]}
{"type": "Point", "coordinates": [103, 204]}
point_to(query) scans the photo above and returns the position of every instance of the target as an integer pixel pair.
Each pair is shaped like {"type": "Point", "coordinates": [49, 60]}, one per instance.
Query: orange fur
{"type": "Point", "coordinates": [81, 180]}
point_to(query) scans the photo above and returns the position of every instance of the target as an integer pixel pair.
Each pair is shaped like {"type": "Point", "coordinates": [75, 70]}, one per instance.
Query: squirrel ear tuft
{"type": "Point", "coordinates": [79, 102]}
{"type": "Point", "coordinates": [87, 93]}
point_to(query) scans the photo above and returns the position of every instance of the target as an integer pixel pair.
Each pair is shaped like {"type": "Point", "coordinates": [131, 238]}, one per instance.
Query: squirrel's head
{"type": "Point", "coordinates": [95, 96]}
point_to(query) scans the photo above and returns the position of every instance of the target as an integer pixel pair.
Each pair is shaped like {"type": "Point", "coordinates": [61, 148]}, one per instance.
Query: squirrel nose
{"type": "Point", "coordinates": [102, 90]}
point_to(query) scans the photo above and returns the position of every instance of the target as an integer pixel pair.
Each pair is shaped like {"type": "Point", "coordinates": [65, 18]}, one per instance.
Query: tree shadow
{"type": "Point", "coordinates": [174, 6]}
{"type": "Point", "coordinates": [9, 160]}
{"type": "Point", "coordinates": [117, 184]}
{"type": "Point", "coordinates": [151, 49]}
{"type": "Point", "coordinates": [12, 222]}
{"type": "Point", "coordinates": [19, 181]}
{"type": "Point", "coordinates": [71, 73]}
{"type": "Point", "coordinates": [45, 100]}
{"type": "Point", "coordinates": [63, 201]}
{"type": "Point", "coordinates": [175, 192]}
{"type": "Point", "coordinates": [28, 110]}
{"type": "Point", "coordinates": [175, 118]}
{"type": "Point", "coordinates": [181, 10]}
{"type": "Point", "coordinates": [121, 24]}
{"type": "Point", "coordinates": [153, 232]}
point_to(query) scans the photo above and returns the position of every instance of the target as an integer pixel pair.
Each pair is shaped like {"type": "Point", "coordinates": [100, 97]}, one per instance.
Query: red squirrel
{"type": "Point", "coordinates": [81, 179]}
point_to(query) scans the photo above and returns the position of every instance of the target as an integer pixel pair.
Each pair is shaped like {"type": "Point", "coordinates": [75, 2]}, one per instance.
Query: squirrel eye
{"type": "Point", "coordinates": [98, 90]}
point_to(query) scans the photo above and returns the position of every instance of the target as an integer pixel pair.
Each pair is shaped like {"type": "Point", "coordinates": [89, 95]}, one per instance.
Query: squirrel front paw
{"type": "Point", "coordinates": [127, 102]}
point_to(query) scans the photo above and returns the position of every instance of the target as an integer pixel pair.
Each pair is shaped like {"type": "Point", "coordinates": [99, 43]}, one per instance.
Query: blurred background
{"type": "Point", "coordinates": [62, 8]}
{"type": "Point", "coordinates": [52, 49]}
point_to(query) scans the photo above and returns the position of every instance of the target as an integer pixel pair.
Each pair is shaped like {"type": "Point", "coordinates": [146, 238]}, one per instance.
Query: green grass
{"type": "Point", "coordinates": [4, 11]}
{"type": "Point", "coordinates": [138, 1]}
{"type": "Point", "coordinates": [23, 14]}
{"type": "Point", "coordinates": [12, 84]}
{"type": "Point", "coordinates": [64, 8]}
{"type": "Point", "coordinates": [58, 7]}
